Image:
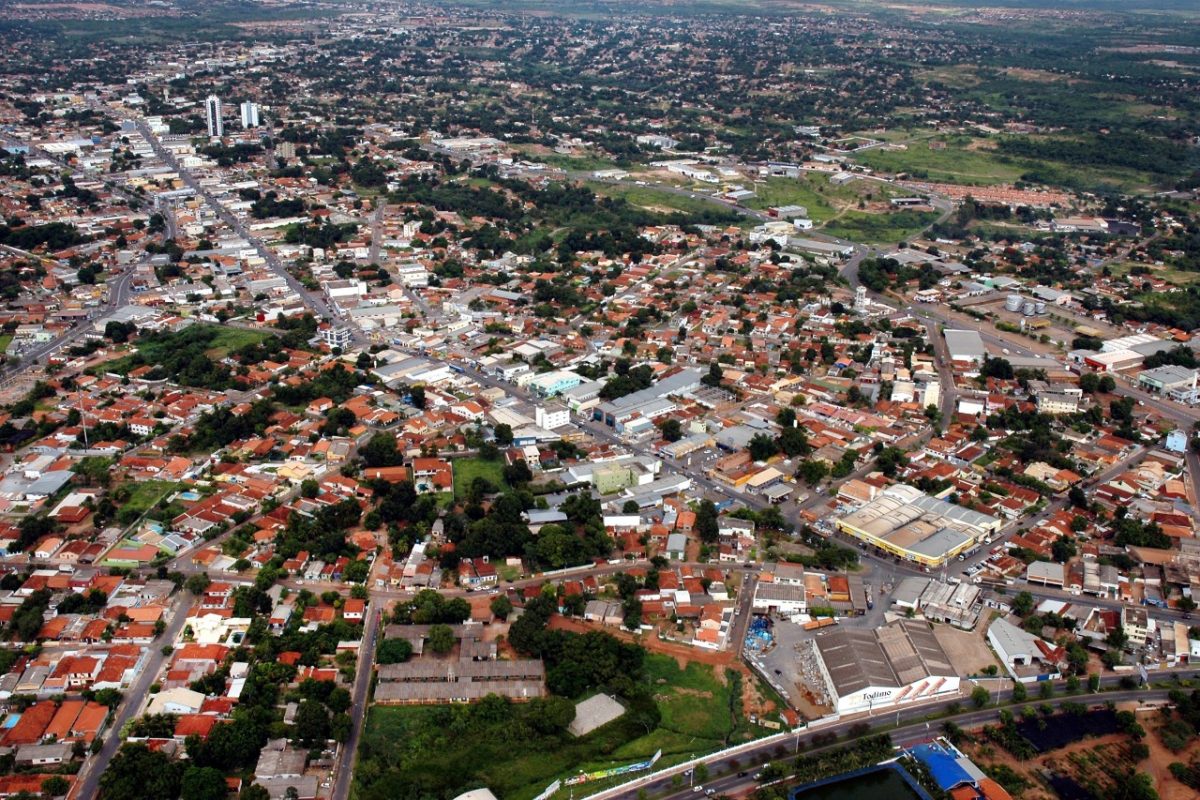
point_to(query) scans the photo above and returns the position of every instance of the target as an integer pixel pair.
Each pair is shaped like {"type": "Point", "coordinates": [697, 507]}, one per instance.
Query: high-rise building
{"type": "Point", "coordinates": [249, 115]}
{"type": "Point", "coordinates": [216, 126]}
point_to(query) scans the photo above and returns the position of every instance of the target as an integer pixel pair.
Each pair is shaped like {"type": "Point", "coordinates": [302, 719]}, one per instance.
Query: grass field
{"type": "Point", "coordinates": [144, 494]}
{"type": "Point", "coordinates": [879, 228]}
{"type": "Point", "coordinates": [5, 341]}
{"type": "Point", "coordinates": [814, 192]}
{"type": "Point", "coordinates": [655, 199]}
{"type": "Point", "coordinates": [467, 470]}
{"type": "Point", "coordinates": [436, 748]}
{"type": "Point", "coordinates": [967, 160]}
{"type": "Point", "coordinates": [954, 164]}
{"type": "Point", "coordinates": [230, 339]}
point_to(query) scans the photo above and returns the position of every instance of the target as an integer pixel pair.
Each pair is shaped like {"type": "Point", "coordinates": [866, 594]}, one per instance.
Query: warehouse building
{"type": "Point", "coordinates": [966, 347]}
{"type": "Point", "coordinates": [1167, 379]}
{"type": "Point", "coordinates": [900, 663]}
{"type": "Point", "coordinates": [908, 523]}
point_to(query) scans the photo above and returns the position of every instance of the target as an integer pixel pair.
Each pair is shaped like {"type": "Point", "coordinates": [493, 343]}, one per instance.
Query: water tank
{"type": "Point", "coordinates": [1028, 308]}
{"type": "Point", "coordinates": [1040, 307]}
{"type": "Point", "coordinates": [1013, 303]}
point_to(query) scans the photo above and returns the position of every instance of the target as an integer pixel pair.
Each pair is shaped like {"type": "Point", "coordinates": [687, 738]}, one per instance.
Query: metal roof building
{"type": "Point", "coordinates": [901, 662]}
{"type": "Point", "coordinates": [906, 522]}
{"type": "Point", "coordinates": [965, 346]}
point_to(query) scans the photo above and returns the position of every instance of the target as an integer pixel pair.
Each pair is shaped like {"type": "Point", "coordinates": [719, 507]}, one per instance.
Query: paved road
{"type": "Point", "coordinates": [87, 786]}
{"type": "Point", "coordinates": [919, 729]}
{"type": "Point", "coordinates": [118, 296]}
{"type": "Point", "coordinates": [343, 769]}
{"type": "Point", "coordinates": [313, 300]}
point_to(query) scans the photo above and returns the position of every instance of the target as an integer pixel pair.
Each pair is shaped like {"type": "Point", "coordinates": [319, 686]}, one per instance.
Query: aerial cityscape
{"type": "Point", "coordinates": [556, 399]}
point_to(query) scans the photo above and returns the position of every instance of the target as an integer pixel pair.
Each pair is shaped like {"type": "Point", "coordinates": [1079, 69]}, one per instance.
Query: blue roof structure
{"type": "Point", "coordinates": [943, 765]}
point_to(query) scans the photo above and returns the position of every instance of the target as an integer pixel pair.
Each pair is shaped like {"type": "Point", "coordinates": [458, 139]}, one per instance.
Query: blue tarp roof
{"type": "Point", "coordinates": [943, 765]}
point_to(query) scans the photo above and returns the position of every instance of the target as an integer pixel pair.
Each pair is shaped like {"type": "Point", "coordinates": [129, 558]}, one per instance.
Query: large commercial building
{"type": "Point", "coordinates": [212, 107]}
{"type": "Point", "coordinates": [648, 402]}
{"type": "Point", "coordinates": [965, 347]}
{"type": "Point", "coordinates": [864, 670]}
{"type": "Point", "coordinates": [908, 523]}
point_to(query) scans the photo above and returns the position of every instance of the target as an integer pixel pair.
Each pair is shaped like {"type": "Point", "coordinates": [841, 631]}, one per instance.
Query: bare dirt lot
{"type": "Point", "coordinates": [968, 651]}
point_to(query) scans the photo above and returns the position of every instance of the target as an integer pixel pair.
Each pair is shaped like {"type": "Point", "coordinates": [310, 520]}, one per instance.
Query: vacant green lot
{"type": "Point", "coordinates": [156, 350]}
{"type": "Point", "coordinates": [445, 750]}
{"type": "Point", "coordinates": [466, 470]}
{"type": "Point", "coordinates": [144, 494]}
{"type": "Point", "coordinates": [814, 192]}
{"type": "Point", "coordinates": [656, 199]}
{"type": "Point", "coordinates": [954, 164]}
{"type": "Point", "coordinates": [880, 228]}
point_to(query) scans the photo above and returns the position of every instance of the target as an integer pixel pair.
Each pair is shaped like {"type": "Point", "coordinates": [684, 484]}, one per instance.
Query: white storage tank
{"type": "Point", "coordinates": [1013, 303]}
{"type": "Point", "coordinates": [1028, 308]}
{"type": "Point", "coordinates": [1040, 307]}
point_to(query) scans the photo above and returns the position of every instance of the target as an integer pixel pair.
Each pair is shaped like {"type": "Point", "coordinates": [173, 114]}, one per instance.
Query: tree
{"type": "Point", "coordinates": [504, 434]}
{"type": "Point", "coordinates": [707, 527]}
{"type": "Point", "coordinates": [762, 447]}
{"type": "Point", "coordinates": [1108, 384]}
{"type": "Point", "coordinates": [1023, 604]}
{"type": "Point", "coordinates": [309, 488]}
{"type": "Point", "coordinates": [138, 773]}
{"type": "Point", "coordinates": [672, 431]}
{"type": "Point", "coordinates": [56, 786]}
{"type": "Point", "coordinates": [979, 696]}
{"type": "Point", "coordinates": [501, 606]}
{"type": "Point", "coordinates": [312, 723]}
{"type": "Point", "coordinates": [714, 377]}
{"type": "Point", "coordinates": [394, 651]}
{"type": "Point", "coordinates": [417, 395]}
{"type": "Point", "coordinates": [196, 584]}
{"type": "Point", "coordinates": [254, 792]}
{"type": "Point", "coordinates": [1018, 693]}
{"type": "Point", "coordinates": [381, 451]}
{"type": "Point", "coordinates": [1077, 497]}
{"type": "Point", "coordinates": [203, 783]}
{"type": "Point", "coordinates": [794, 441]}
{"type": "Point", "coordinates": [1117, 638]}
{"type": "Point", "coordinates": [1063, 549]}
{"type": "Point", "coordinates": [1093, 683]}
{"type": "Point", "coordinates": [812, 472]}
{"type": "Point", "coordinates": [441, 639]}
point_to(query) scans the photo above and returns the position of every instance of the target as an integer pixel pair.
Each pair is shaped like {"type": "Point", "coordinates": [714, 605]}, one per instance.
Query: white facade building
{"type": "Point", "coordinates": [212, 108]}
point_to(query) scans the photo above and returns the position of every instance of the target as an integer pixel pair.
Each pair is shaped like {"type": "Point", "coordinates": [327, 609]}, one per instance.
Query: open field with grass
{"type": "Point", "coordinates": [466, 470]}
{"type": "Point", "coordinates": [880, 228]}
{"type": "Point", "coordinates": [960, 162]}
{"type": "Point", "coordinates": [445, 749]}
{"type": "Point", "coordinates": [652, 198]}
{"type": "Point", "coordinates": [972, 161]}
{"type": "Point", "coordinates": [814, 192]}
{"type": "Point", "coordinates": [144, 494]}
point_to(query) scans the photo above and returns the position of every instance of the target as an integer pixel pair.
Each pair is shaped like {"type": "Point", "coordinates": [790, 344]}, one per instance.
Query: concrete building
{"type": "Point", "coordinates": [551, 416]}
{"type": "Point", "coordinates": [1137, 625]}
{"type": "Point", "coordinates": [212, 108]}
{"type": "Point", "coordinates": [250, 115]}
{"type": "Point", "coordinates": [336, 336]}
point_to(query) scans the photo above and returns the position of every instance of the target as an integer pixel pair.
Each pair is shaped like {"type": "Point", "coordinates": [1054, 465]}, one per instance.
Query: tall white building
{"type": "Point", "coordinates": [216, 126]}
{"type": "Point", "coordinates": [249, 115]}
